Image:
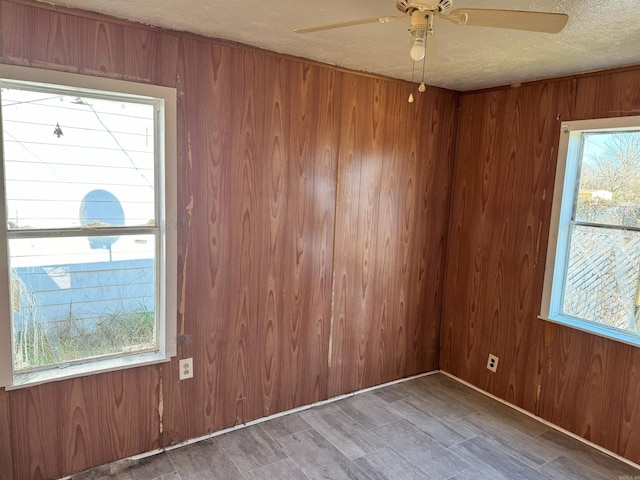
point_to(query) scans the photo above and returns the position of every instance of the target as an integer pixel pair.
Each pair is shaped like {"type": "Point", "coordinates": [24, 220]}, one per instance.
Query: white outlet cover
{"type": "Point", "coordinates": [492, 363]}
{"type": "Point", "coordinates": [186, 368]}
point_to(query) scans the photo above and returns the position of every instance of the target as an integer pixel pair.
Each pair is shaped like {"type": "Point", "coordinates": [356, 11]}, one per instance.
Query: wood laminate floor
{"type": "Point", "coordinates": [428, 428]}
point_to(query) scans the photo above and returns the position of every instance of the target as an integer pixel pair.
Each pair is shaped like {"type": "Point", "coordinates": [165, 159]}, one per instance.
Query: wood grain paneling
{"type": "Point", "coordinates": [258, 142]}
{"type": "Point", "coordinates": [249, 229]}
{"type": "Point", "coordinates": [39, 37]}
{"type": "Point", "coordinates": [312, 154]}
{"type": "Point", "coordinates": [608, 95]}
{"type": "Point", "coordinates": [623, 409]}
{"type": "Point", "coordinates": [505, 167]}
{"type": "Point", "coordinates": [355, 265]}
{"type": "Point", "coordinates": [56, 44]}
{"type": "Point", "coordinates": [203, 140]}
{"type": "Point", "coordinates": [140, 56]}
{"type": "Point", "coordinates": [68, 426]}
{"type": "Point", "coordinates": [590, 384]}
{"type": "Point", "coordinates": [392, 199]}
{"type": "Point", "coordinates": [280, 236]}
{"type": "Point", "coordinates": [65, 427]}
{"type": "Point", "coordinates": [575, 379]}
{"type": "Point", "coordinates": [424, 222]}
{"type": "Point", "coordinates": [16, 33]}
{"type": "Point", "coordinates": [6, 446]}
{"type": "Point", "coordinates": [102, 49]}
{"type": "Point", "coordinates": [129, 412]}
{"type": "Point", "coordinates": [256, 233]}
{"type": "Point", "coordinates": [103, 52]}
{"type": "Point", "coordinates": [272, 153]}
{"type": "Point", "coordinates": [498, 237]}
{"type": "Point", "coordinates": [35, 432]}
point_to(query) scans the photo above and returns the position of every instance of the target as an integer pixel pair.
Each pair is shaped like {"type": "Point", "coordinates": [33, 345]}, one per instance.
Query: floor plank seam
{"type": "Point", "coordinates": [429, 427]}
{"type": "Point", "coordinates": [545, 422]}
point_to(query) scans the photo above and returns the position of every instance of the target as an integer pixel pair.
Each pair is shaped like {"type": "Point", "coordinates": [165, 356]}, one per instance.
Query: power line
{"type": "Point", "coordinates": [120, 146]}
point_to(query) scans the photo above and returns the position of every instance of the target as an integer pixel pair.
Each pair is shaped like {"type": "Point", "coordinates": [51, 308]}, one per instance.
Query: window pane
{"type": "Point", "coordinates": [609, 188]}
{"type": "Point", "coordinates": [72, 161]}
{"type": "Point", "coordinates": [602, 277]}
{"type": "Point", "coordinates": [70, 301]}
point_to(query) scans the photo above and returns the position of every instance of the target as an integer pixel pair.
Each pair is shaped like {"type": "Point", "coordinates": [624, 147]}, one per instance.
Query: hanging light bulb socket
{"type": "Point", "coordinates": [418, 34]}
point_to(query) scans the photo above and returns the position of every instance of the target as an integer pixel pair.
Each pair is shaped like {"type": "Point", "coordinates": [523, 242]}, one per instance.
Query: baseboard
{"type": "Point", "coordinates": [543, 421]}
{"type": "Point", "coordinates": [190, 441]}
{"type": "Point", "coordinates": [257, 421]}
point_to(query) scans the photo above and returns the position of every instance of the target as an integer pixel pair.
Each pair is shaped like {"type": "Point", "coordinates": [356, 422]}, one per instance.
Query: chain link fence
{"type": "Point", "coordinates": [603, 277]}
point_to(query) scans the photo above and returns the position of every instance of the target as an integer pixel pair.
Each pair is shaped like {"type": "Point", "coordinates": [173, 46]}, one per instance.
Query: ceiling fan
{"type": "Point", "coordinates": [422, 13]}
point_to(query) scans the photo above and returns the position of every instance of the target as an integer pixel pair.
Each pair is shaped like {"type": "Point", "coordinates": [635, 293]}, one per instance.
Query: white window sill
{"type": "Point", "coordinates": [622, 336]}
{"type": "Point", "coordinates": [30, 379]}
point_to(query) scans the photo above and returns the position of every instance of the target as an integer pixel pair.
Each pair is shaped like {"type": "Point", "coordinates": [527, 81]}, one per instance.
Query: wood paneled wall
{"type": "Point", "coordinates": [591, 385]}
{"type": "Point", "coordinates": [312, 240]}
{"type": "Point", "coordinates": [392, 214]}
{"type": "Point", "coordinates": [504, 175]}
{"type": "Point", "coordinates": [6, 446]}
{"type": "Point", "coordinates": [62, 427]}
{"type": "Point", "coordinates": [257, 241]}
{"type": "Point", "coordinates": [501, 207]}
{"type": "Point", "coordinates": [285, 169]}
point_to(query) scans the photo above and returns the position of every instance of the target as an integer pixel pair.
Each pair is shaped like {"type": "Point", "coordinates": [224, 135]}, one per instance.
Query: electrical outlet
{"type": "Point", "coordinates": [492, 363]}
{"type": "Point", "coordinates": [186, 368]}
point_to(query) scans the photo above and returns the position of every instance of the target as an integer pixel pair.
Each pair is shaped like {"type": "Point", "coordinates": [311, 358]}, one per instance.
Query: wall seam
{"type": "Point", "coordinates": [337, 95]}
{"type": "Point", "coordinates": [445, 262]}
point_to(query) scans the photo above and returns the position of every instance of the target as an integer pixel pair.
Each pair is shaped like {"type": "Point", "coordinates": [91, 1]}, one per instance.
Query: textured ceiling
{"type": "Point", "coordinates": [600, 34]}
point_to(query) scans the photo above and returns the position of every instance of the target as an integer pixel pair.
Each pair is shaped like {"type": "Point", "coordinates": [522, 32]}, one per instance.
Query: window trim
{"type": "Point", "coordinates": [167, 209]}
{"type": "Point", "coordinates": [562, 209]}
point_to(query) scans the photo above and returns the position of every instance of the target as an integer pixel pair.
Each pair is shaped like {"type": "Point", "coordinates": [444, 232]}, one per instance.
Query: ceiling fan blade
{"type": "Point", "coordinates": [349, 23]}
{"type": "Point", "coordinates": [514, 19]}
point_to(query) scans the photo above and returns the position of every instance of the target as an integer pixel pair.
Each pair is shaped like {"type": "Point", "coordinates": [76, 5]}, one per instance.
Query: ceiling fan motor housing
{"type": "Point", "coordinates": [408, 6]}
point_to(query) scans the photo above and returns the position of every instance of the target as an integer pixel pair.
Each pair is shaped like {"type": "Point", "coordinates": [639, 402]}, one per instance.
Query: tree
{"type": "Point", "coordinates": [616, 168]}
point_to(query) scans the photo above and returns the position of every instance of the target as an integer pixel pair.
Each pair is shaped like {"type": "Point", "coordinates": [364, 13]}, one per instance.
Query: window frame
{"type": "Point", "coordinates": [166, 245]}
{"type": "Point", "coordinates": [567, 169]}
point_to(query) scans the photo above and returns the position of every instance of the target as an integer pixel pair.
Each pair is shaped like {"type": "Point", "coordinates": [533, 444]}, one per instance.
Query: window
{"type": "Point", "coordinates": [592, 279]}
{"type": "Point", "coordinates": [87, 243]}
